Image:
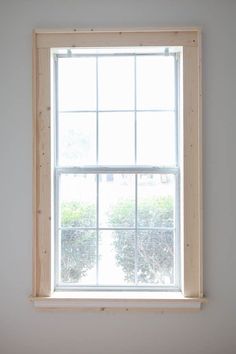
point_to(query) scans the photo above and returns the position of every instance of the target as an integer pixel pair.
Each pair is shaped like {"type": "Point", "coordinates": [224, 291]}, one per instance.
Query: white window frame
{"type": "Point", "coordinates": [131, 169]}
{"type": "Point", "coordinates": [191, 295]}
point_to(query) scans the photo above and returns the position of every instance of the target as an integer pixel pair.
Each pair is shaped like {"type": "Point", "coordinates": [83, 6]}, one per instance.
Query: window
{"type": "Point", "coordinates": [117, 169]}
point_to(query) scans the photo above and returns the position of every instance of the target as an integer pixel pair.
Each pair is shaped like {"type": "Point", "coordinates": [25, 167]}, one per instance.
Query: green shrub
{"type": "Point", "coordinates": [78, 247]}
{"type": "Point", "coordinates": [155, 248]}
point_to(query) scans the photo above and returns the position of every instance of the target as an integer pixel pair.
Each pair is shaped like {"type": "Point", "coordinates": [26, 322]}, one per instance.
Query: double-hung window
{"type": "Point", "coordinates": [117, 168]}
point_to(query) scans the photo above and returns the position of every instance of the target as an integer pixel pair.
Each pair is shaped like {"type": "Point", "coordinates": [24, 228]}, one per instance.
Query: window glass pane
{"type": "Point", "coordinates": [78, 200]}
{"type": "Point", "coordinates": [156, 200]}
{"type": "Point", "coordinates": [115, 83]}
{"type": "Point", "coordinates": [116, 200]}
{"type": "Point", "coordinates": [116, 138]}
{"type": "Point", "coordinates": [78, 256]}
{"type": "Point", "coordinates": [76, 84]}
{"type": "Point", "coordinates": [116, 257]}
{"type": "Point", "coordinates": [155, 261]}
{"type": "Point", "coordinates": [77, 139]}
{"type": "Point", "coordinates": [156, 138]}
{"type": "Point", "coordinates": [155, 82]}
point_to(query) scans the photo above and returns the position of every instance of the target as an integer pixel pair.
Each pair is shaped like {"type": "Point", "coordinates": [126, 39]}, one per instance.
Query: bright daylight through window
{"type": "Point", "coordinates": [117, 167]}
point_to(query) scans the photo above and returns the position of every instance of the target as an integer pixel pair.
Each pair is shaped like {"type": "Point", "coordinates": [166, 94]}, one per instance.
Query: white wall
{"type": "Point", "coordinates": [22, 329]}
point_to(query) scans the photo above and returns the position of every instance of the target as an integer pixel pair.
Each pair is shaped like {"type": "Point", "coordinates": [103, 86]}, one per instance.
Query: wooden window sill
{"type": "Point", "coordinates": [126, 301]}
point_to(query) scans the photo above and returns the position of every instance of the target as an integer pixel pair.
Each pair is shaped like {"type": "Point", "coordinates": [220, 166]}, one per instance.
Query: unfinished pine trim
{"type": "Point", "coordinates": [34, 181]}
{"type": "Point", "coordinates": [117, 29]}
{"type": "Point", "coordinates": [42, 140]}
{"type": "Point", "coordinates": [123, 301]}
{"type": "Point", "coordinates": [107, 39]}
{"type": "Point", "coordinates": [200, 177]}
{"type": "Point", "coordinates": [191, 173]}
{"type": "Point", "coordinates": [190, 40]}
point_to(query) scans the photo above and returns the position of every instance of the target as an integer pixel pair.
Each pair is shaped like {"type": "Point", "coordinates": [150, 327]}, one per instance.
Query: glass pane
{"type": "Point", "coordinates": [155, 261]}
{"type": "Point", "coordinates": [78, 256]}
{"type": "Point", "coordinates": [156, 138]}
{"type": "Point", "coordinates": [116, 138]}
{"type": "Point", "coordinates": [78, 200]}
{"type": "Point", "coordinates": [116, 200]}
{"type": "Point", "coordinates": [116, 83]}
{"type": "Point", "coordinates": [156, 200]}
{"type": "Point", "coordinates": [77, 139]}
{"type": "Point", "coordinates": [76, 84]}
{"type": "Point", "coordinates": [155, 82]}
{"type": "Point", "coordinates": [116, 257]}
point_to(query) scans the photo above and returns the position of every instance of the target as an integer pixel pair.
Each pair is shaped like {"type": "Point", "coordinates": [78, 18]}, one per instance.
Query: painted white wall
{"type": "Point", "coordinates": [22, 329]}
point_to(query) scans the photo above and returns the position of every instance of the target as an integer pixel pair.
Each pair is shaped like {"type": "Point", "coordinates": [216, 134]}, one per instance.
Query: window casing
{"type": "Point", "coordinates": [187, 164]}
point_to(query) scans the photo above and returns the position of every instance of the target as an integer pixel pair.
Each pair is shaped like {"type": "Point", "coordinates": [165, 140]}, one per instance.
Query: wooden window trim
{"type": "Point", "coordinates": [43, 294]}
